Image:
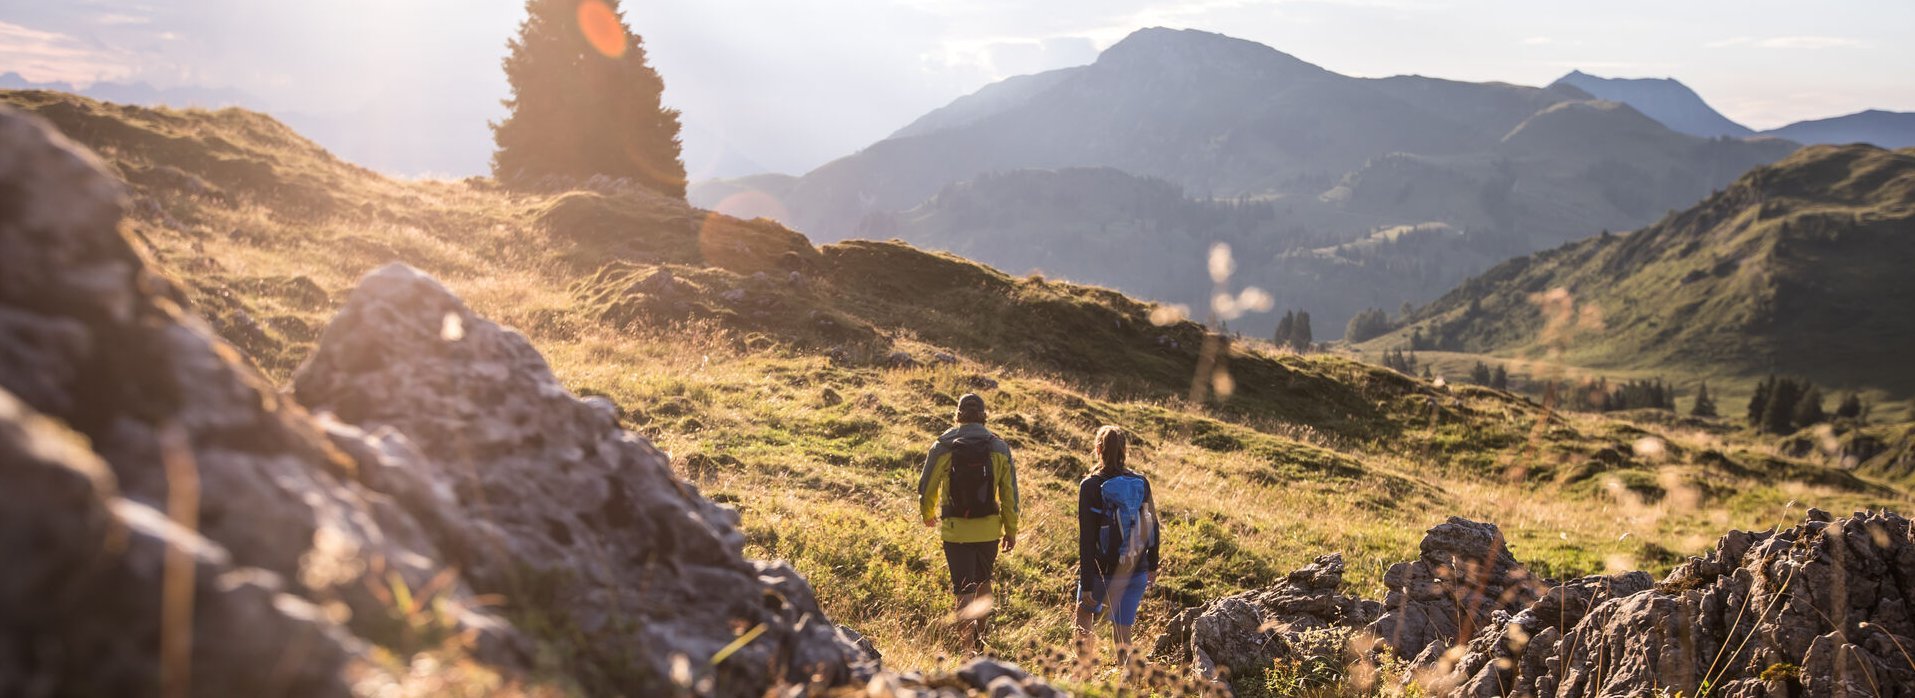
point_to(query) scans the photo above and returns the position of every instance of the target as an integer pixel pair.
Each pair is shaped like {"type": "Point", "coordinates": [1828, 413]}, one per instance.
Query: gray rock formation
{"type": "Point", "coordinates": [86, 607]}
{"type": "Point", "coordinates": [90, 338]}
{"type": "Point", "coordinates": [1516, 650]}
{"type": "Point", "coordinates": [540, 497]}
{"type": "Point", "coordinates": [983, 676]}
{"type": "Point", "coordinates": [1822, 608]}
{"type": "Point", "coordinates": [1247, 631]}
{"type": "Point", "coordinates": [1464, 576]}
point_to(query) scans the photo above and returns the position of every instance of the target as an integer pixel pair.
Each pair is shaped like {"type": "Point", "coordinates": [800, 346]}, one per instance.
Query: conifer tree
{"type": "Point", "coordinates": [1851, 407]}
{"type": "Point", "coordinates": [1499, 379]}
{"type": "Point", "coordinates": [1759, 403]}
{"type": "Point", "coordinates": [1705, 405]}
{"type": "Point", "coordinates": [1300, 336]}
{"type": "Point", "coordinates": [585, 102]}
{"type": "Point", "coordinates": [1367, 325]}
{"type": "Point", "coordinates": [1480, 374]}
{"type": "Point", "coordinates": [1286, 327]}
{"type": "Point", "coordinates": [1778, 417]}
{"type": "Point", "coordinates": [1808, 410]}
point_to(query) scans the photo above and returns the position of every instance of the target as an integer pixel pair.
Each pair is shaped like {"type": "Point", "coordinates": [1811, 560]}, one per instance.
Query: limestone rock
{"type": "Point", "coordinates": [550, 503]}
{"type": "Point", "coordinates": [1464, 575]}
{"type": "Point", "coordinates": [81, 605]}
{"type": "Point", "coordinates": [1514, 650]}
{"type": "Point", "coordinates": [1829, 596]}
{"type": "Point", "coordinates": [1821, 609]}
{"type": "Point", "coordinates": [1249, 630]}
{"type": "Point", "coordinates": [90, 338]}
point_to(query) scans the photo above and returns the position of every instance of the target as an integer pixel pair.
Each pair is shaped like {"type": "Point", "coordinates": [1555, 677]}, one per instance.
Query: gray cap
{"type": "Point", "coordinates": [970, 408]}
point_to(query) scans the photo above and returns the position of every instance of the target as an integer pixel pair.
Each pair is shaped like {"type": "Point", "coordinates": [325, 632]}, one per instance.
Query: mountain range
{"type": "Point", "coordinates": [1336, 168]}
{"type": "Point", "coordinates": [1800, 268]}
{"type": "Point", "coordinates": [1681, 109]}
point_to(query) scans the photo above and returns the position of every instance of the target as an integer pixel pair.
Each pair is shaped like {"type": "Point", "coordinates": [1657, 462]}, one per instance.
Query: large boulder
{"type": "Point", "coordinates": [1464, 576]}
{"type": "Point", "coordinates": [541, 498]}
{"type": "Point", "coordinates": [90, 338]}
{"type": "Point", "coordinates": [1516, 650]}
{"type": "Point", "coordinates": [1820, 609]}
{"type": "Point", "coordinates": [1246, 632]}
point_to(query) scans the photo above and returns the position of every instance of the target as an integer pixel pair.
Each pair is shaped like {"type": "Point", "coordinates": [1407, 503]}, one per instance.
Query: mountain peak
{"type": "Point", "coordinates": [1664, 99]}
{"type": "Point", "coordinates": [1193, 48]}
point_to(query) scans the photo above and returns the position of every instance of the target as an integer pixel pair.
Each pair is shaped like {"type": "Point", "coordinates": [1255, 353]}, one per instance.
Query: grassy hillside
{"type": "Point", "coordinates": [1798, 268]}
{"type": "Point", "coordinates": [771, 369]}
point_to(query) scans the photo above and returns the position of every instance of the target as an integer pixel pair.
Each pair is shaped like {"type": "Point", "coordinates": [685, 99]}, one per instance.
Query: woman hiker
{"type": "Point", "coordinates": [1117, 540]}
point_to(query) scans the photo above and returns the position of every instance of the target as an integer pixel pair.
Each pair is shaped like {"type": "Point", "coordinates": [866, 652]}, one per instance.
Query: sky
{"type": "Point", "coordinates": [408, 85]}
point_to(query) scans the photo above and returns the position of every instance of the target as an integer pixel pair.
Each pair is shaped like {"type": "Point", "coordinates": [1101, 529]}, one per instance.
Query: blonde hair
{"type": "Point", "coordinates": [1108, 447]}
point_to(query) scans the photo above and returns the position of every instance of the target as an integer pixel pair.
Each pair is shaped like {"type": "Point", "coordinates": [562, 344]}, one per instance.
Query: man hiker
{"type": "Point", "coordinates": [968, 491]}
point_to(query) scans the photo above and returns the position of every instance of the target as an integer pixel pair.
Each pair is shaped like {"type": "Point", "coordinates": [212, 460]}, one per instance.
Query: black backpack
{"type": "Point", "coordinates": [973, 490]}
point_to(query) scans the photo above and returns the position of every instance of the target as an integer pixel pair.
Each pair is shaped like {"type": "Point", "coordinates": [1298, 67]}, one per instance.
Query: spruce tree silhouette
{"type": "Point", "coordinates": [585, 102]}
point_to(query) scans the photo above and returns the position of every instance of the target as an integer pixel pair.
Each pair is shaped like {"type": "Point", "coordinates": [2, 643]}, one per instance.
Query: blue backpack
{"type": "Point", "coordinates": [1126, 533]}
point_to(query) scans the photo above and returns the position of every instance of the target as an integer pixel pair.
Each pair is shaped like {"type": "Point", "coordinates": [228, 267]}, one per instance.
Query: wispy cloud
{"type": "Point", "coordinates": [1789, 42]}
{"type": "Point", "coordinates": [44, 56]}
{"type": "Point", "coordinates": [116, 19]}
{"type": "Point", "coordinates": [1002, 57]}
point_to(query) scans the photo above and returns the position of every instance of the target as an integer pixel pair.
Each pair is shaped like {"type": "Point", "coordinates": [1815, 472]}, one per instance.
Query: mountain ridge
{"type": "Point", "coordinates": [1664, 99]}
{"type": "Point", "coordinates": [1229, 119]}
{"type": "Point", "coordinates": [1793, 269]}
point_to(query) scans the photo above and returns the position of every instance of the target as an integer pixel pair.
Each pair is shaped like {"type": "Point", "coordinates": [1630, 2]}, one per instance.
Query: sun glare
{"type": "Point", "coordinates": [601, 28]}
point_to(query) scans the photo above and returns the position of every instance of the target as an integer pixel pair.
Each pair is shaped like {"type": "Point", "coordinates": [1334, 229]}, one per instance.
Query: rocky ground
{"type": "Point", "coordinates": [1819, 609]}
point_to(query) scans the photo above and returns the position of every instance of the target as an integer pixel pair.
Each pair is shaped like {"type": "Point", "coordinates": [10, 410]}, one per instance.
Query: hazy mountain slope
{"type": "Point", "coordinates": [1217, 115]}
{"type": "Point", "coordinates": [1801, 267]}
{"type": "Point", "coordinates": [990, 100]}
{"type": "Point", "coordinates": [1663, 99]}
{"type": "Point", "coordinates": [1511, 169]}
{"type": "Point", "coordinates": [1538, 185]}
{"type": "Point", "coordinates": [1886, 129]}
{"type": "Point", "coordinates": [750, 196]}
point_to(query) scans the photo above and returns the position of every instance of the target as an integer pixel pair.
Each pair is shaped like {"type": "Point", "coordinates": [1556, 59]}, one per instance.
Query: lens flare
{"type": "Point", "coordinates": [751, 203]}
{"type": "Point", "coordinates": [601, 28]}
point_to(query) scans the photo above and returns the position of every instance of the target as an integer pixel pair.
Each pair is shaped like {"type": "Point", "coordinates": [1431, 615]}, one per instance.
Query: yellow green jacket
{"type": "Point", "coordinates": [932, 493]}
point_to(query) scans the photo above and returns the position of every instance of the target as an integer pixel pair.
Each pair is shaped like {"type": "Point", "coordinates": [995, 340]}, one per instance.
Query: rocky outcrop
{"type": "Point", "coordinates": [983, 676]}
{"type": "Point", "coordinates": [1516, 650]}
{"type": "Point", "coordinates": [105, 596]}
{"type": "Point", "coordinates": [90, 338]}
{"type": "Point", "coordinates": [540, 497]}
{"type": "Point", "coordinates": [1246, 632]}
{"type": "Point", "coordinates": [1464, 577]}
{"type": "Point", "coordinates": [1821, 609]}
